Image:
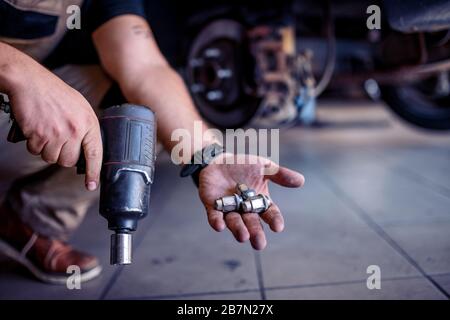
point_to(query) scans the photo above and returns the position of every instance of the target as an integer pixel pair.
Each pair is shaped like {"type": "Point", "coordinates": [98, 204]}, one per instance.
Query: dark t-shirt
{"type": "Point", "coordinates": [36, 27]}
{"type": "Point", "coordinates": [100, 11]}
{"type": "Point", "coordinates": [25, 21]}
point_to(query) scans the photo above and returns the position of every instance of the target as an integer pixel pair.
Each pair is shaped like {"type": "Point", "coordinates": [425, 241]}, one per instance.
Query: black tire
{"type": "Point", "coordinates": [415, 104]}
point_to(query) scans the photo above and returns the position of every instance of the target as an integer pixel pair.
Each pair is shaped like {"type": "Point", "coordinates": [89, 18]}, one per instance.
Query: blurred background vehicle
{"type": "Point", "coordinates": [264, 63]}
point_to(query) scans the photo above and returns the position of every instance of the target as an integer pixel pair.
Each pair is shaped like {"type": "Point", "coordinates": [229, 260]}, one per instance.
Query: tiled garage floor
{"type": "Point", "coordinates": [377, 193]}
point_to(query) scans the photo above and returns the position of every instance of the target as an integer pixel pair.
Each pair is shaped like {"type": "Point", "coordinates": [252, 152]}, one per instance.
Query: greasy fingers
{"type": "Point", "coordinates": [237, 227]}
{"type": "Point", "coordinates": [215, 219]}
{"type": "Point", "coordinates": [257, 236]}
{"type": "Point", "coordinates": [274, 218]}
{"type": "Point", "coordinates": [287, 178]}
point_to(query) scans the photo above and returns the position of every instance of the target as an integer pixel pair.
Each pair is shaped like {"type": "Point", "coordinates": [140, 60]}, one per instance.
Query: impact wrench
{"type": "Point", "coordinates": [129, 138]}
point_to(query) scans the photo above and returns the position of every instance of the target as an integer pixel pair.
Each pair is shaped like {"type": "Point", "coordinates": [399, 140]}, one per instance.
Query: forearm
{"type": "Point", "coordinates": [163, 90]}
{"type": "Point", "coordinates": [10, 61]}
{"type": "Point", "coordinates": [130, 55]}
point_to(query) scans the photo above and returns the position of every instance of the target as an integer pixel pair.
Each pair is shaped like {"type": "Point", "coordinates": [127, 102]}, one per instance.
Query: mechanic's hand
{"type": "Point", "coordinates": [219, 179]}
{"type": "Point", "coordinates": [57, 121]}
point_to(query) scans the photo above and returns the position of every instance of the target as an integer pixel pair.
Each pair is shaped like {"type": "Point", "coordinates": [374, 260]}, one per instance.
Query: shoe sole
{"type": "Point", "coordinates": [15, 255]}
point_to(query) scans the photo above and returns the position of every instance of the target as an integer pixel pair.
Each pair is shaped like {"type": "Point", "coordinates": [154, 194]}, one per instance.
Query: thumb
{"type": "Point", "coordinates": [287, 178]}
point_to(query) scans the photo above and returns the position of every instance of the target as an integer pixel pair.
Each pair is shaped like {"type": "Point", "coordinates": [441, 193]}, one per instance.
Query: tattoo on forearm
{"type": "Point", "coordinates": [142, 31]}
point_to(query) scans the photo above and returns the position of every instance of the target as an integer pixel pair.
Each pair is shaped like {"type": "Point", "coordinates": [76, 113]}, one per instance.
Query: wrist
{"type": "Point", "coordinates": [9, 77]}
{"type": "Point", "coordinates": [186, 153]}
{"type": "Point", "coordinates": [207, 144]}
{"type": "Point", "coordinates": [200, 160]}
{"type": "Point", "coordinates": [12, 66]}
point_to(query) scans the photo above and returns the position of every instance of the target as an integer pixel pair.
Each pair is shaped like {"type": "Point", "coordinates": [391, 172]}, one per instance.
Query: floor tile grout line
{"type": "Point", "coordinates": [275, 288]}
{"type": "Point", "coordinates": [340, 283]}
{"type": "Point", "coordinates": [411, 174]}
{"type": "Point", "coordinates": [193, 294]}
{"type": "Point", "coordinates": [380, 231]}
{"type": "Point", "coordinates": [112, 280]}
{"type": "Point", "coordinates": [259, 274]}
{"type": "Point", "coordinates": [441, 274]}
{"type": "Point", "coordinates": [415, 176]}
{"type": "Point", "coordinates": [413, 223]}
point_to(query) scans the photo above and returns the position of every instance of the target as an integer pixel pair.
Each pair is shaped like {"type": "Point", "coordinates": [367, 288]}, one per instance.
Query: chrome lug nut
{"type": "Point", "coordinates": [256, 204]}
{"type": "Point", "coordinates": [244, 191]}
{"type": "Point", "coordinates": [228, 203]}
